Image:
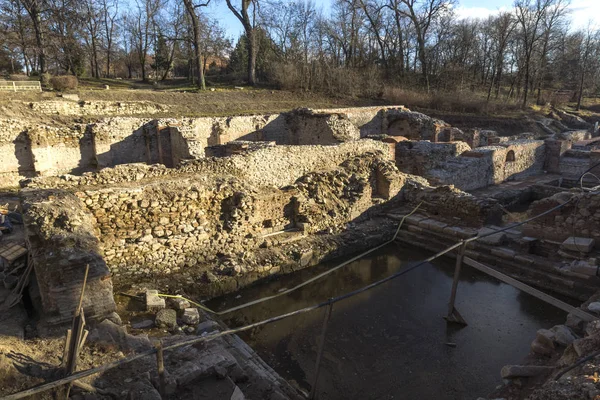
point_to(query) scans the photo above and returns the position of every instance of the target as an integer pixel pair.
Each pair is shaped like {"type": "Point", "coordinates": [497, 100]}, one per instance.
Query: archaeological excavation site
{"type": "Point", "coordinates": [350, 253]}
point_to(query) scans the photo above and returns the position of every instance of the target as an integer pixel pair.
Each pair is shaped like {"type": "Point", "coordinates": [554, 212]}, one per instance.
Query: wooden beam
{"type": "Point", "coordinates": [530, 290]}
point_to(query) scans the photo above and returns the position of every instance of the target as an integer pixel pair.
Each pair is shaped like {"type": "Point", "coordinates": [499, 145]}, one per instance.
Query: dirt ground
{"type": "Point", "coordinates": [221, 102]}
{"type": "Point", "coordinates": [185, 101]}
{"type": "Point", "coordinates": [26, 363]}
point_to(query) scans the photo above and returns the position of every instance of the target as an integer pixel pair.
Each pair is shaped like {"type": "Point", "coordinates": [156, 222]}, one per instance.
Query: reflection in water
{"type": "Point", "coordinates": [390, 342]}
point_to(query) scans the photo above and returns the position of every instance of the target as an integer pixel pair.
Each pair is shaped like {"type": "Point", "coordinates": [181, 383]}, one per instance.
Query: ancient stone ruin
{"type": "Point", "coordinates": [206, 206]}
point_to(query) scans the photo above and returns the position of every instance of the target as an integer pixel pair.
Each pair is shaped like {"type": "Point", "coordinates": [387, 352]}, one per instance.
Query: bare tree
{"type": "Point", "coordinates": [110, 13]}
{"type": "Point", "coordinates": [140, 25]}
{"type": "Point", "coordinates": [93, 18]}
{"type": "Point", "coordinates": [15, 20]}
{"type": "Point", "coordinates": [530, 16]}
{"type": "Point", "coordinates": [422, 15]}
{"type": "Point", "coordinates": [191, 9]}
{"type": "Point", "coordinates": [502, 27]}
{"type": "Point", "coordinates": [588, 59]}
{"type": "Point", "coordinates": [248, 22]}
{"type": "Point", "coordinates": [553, 19]}
{"type": "Point", "coordinates": [35, 9]}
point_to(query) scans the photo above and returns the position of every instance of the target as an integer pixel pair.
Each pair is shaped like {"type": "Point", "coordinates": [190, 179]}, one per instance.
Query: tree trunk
{"type": "Point", "coordinates": [526, 85]}
{"type": "Point", "coordinates": [189, 6]}
{"type": "Point", "coordinates": [244, 18]}
{"type": "Point", "coordinates": [251, 57]}
{"type": "Point", "coordinates": [580, 97]}
{"type": "Point", "coordinates": [39, 39]}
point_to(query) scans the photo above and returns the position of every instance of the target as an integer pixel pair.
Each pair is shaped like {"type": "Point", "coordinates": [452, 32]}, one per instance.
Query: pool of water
{"type": "Point", "coordinates": [392, 342]}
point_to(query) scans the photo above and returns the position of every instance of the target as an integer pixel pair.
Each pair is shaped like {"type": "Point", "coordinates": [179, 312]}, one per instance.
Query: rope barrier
{"type": "Point", "coordinates": [117, 363]}
{"type": "Point", "coordinates": [317, 277]}
{"type": "Point", "coordinates": [329, 271]}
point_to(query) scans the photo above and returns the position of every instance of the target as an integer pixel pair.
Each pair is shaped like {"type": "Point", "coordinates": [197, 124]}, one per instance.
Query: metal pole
{"type": "Point", "coordinates": [313, 389]}
{"type": "Point", "coordinates": [459, 260]}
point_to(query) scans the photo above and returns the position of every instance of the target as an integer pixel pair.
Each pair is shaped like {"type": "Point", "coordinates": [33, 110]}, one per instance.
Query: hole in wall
{"type": "Point", "coordinates": [510, 156]}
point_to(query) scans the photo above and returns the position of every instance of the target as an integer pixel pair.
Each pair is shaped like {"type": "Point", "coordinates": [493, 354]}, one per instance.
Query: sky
{"type": "Point", "coordinates": [581, 11]}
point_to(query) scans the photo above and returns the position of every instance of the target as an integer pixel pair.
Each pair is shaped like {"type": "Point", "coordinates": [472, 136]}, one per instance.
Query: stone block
{"type": "Point", "coordinates": [494, 239]}
{"type": "Point", "coordinates": [414, 219]}
{"type": "Point", "coordinates": [179, 304]}
{"type": "Point", "coordinates": [238, 394]}
{"type": "Point", "coordinates": [146, 324]}
{"type": "Point", "coordinates": [525, 260]}
{"type": "Point", "coordinates": [306, 258]}
{"type": "Point", "coordinates": [519, 371]}
{"type": "Point", "coordinates": [153, 301]}
{"type": "Point", "coordinates": [207, 327]}
{"type": "Point", "coordinates": [191, 316]}
{"type": "Point", "coordinates": [563, 335]}
{"type": "Point", "coordinates": [583, 267]}
{"type": "Point", "coordinates": [507, 254]}
{"type": "Point", "coordinates": [578, 244]}
{"type": "Point", "coordinates": [433, 225]}
{"type": "Point", "coordinates": [594, 307]}
{"type": "Point", "coordinates": [166, 318]}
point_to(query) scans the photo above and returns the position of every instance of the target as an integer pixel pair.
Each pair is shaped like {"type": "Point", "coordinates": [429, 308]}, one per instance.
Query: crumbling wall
{"type": "Point", "coordinates": [555, 149]}
{"type": "Point", "coordinates": [63, 240]}
{"type": "Point", "coordinates": [578, 218]}
{"type": "Point", "coordinates": [418, 157]}
{"type": "Point", "coordinates": [412, 125]}
{"type": "Point", "coordinates": [307, 127]}
{"type": "Point", "coordinates": [265, 166]}
{"type": "Point", "coordinates": [473, 137]}
{"type": "Point", "coordinates": [57, 147]}
{"type": "Point", "coordinates": [155, 220]}
{"type": "Point", "coordinates": [15, 148]}
{"type": "Point", "coordinates": [529, 159]}
{"type": "Point", "coordinates": [174, 225]}
{"type": "Point", "coordinates": [449, 204]}
{"type": "Point", "coordinates": [476, 168]}
{"type": "Point", "coordinates": [328, 200]}
{"type": "Point", "coordinates": [89, 108]}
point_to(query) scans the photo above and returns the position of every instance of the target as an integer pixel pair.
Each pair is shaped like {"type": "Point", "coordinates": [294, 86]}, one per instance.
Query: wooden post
{"type": "Point", "coordinates": [160, 364]}
{"type": "Point", "coordinates": [77, 337]}
{"type": "Point", "coordinates": [313, 389]}
{"type": "Point", "coordinates": [85, 276]}
{"type": "Point", "coordinates": [14, 86]}
{"type": "Point", "coordinates": [453, 314]}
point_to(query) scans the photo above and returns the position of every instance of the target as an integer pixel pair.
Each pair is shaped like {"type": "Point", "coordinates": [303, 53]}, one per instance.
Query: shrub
{"type": "Point", "coordinates": [463, 102]}
{"type": "Point", "coordinates": [45, 79]}
{"type": "Point", "coordinates": [18, 77]}
{"type": "Point", "coordinates": [64, 82]}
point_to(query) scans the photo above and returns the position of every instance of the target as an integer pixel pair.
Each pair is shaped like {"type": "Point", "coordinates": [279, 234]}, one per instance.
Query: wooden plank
{"type": "Point", "coordinates": [530, 290]}
{"type": "Point", "coordinates": [11, 252]}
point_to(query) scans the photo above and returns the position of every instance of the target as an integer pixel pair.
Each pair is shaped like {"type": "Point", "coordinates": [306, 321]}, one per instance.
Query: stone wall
{"type": "Point", "coordinates": [446, 203]}
{"type": "Point", "coordinates": [273, 165]}
{"type": "Point", "coordinates": [63, 240]}
{"type": "Point", "coordinates": [31, 148]}
{"type": "Point", "coordinates": [418, 158]}
{"type": "Point", "coordinates": [185, 225]}
{"type": "Point", "coordinates": [15, 149]}
{"type": "Point", "coordinates": [94, 108]}
{"type": "Point", "coordinates": [579, 218]}
{"type": "Point", "coordinates": [454, 164]}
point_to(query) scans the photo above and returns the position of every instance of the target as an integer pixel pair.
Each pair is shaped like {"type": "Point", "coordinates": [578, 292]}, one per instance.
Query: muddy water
{"type": "Point", "coordinates": [391, 342]}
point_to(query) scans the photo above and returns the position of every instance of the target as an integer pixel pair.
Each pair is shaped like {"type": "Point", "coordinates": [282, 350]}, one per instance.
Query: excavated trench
{"type": "Point", "coordinates": [392, 342]}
